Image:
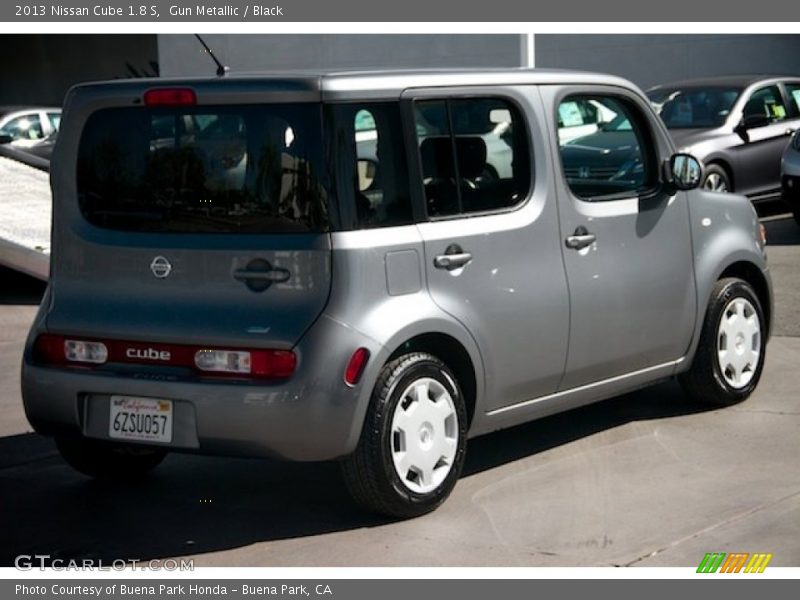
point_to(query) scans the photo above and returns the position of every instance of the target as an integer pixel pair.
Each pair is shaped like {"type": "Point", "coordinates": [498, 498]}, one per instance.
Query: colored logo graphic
{"type": "Point", "coordinates": [738, 562]}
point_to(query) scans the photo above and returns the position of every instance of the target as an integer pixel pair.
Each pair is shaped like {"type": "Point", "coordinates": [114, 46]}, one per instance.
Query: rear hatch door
{"type": "Point", "coordinates": [196, 212]}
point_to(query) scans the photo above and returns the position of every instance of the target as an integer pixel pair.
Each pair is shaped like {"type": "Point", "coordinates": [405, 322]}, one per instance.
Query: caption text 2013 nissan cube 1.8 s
{"type": "Point", "coordinates": [375, 267]}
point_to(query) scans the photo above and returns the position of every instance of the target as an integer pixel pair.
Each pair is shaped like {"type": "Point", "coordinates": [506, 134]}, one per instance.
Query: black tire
{"type": "Point", "coordinates": [704, 381]}
{"type": "Point", "coordinates": [714, 170]}
{"type": "Point", "coordinates": [106, 460]}
{"type": "Point", "coordinates": [369, 472]}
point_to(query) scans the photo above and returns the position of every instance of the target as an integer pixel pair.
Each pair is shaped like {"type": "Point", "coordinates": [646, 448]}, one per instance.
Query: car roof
{"type": "Point", "coordinates": [738, 81]}
{"type": "Point", "coordinates": [386, 82]}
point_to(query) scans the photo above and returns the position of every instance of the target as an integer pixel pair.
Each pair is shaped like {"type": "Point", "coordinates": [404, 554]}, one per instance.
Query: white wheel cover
{"type": "Point", "coordinates": [424, 435]}
{"type": "Point", "coordinates": [738, 342]}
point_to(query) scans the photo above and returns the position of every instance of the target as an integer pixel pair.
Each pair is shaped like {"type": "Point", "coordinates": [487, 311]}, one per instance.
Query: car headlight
{"type": "Point", "coordinates": [796, 141]}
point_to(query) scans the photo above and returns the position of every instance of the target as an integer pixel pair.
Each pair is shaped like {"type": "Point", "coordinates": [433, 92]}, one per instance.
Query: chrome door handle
{"type": "Point", "coordinates": [275, 275]}
{"type": "Point", "coordinates": [580, 239]}
{"type": "Point", "coordinates": [790, 131]}
{"type": "Point", "coordinates": [452, 261]}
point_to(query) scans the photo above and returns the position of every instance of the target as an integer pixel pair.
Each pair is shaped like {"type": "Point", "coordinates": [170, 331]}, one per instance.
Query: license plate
{"type": "Point", "coordinates": [141, 419]}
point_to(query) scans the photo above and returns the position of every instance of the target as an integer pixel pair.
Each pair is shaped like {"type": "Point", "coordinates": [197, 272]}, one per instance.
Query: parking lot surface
{"type": "Point", "coordinates": [645, 479]}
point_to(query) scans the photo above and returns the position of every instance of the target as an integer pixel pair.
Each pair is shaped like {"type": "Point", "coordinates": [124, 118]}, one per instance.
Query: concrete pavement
{"type": "Point", "coordinates": [644, 479]}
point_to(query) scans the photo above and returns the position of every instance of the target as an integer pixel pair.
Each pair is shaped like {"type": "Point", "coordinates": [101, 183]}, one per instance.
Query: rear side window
{"type": "Point", "coordinates": [474, 155]}
{"type": "Point", "coordinates": [613, 160]}
{"type": "Point", "coordinates": [373, 163]}
{"type": "Point", "coordinates": [793, 89]}
{"type": "Point", "coordinates": [226, 169]}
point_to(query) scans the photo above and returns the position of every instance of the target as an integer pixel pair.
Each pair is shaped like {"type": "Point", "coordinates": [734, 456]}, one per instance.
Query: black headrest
{"type": "Point", "coordinates": [436, 153]}
{"type": "Point", "coordinates": [471, 156]}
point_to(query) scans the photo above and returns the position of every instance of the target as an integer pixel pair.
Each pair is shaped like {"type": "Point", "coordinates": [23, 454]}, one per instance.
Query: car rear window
{"type": "Point", "coordinates": [204, 169]}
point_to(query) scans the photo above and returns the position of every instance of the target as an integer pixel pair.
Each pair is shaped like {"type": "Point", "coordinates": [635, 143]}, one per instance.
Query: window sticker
{"type": "Point", "coordinates": [570, 114]}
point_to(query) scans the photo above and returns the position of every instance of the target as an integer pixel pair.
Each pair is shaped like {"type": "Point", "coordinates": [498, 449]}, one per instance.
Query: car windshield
{"type": "Point", "coordinates": [694, 107]}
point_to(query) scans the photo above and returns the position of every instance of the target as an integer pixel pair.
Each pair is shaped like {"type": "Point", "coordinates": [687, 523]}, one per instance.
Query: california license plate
{"type": "Point", "coordinates": [140, 419]}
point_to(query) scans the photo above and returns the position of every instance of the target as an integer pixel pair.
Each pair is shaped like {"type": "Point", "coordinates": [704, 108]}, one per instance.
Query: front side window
{"type": "Point", "coordinates": [474, 155]}
{"type": "Point", "coordinates": [767, 102]}
{"type": "Point", "coordinates": [793, 90]}
{"type": "Point", "coordinates": [614, 161]}
{"type": "Point", "coordinates": [204, 169]}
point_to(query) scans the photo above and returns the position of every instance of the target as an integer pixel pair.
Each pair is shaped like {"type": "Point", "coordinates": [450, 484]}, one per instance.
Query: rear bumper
{"type": "Point", "coordinates": [312, 416]}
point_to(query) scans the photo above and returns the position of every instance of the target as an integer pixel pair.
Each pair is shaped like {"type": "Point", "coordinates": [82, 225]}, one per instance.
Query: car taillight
{"type": "Point", "coordinates": [170, 97]}
{"type": "Point", "coordinates": [277, 364]}
{"type": "Point", "coordinates": [263, 364]}
{"type": "Point", "coordinates": [355, 366]}
{"type": "Point", "coordinates": [57, 349]}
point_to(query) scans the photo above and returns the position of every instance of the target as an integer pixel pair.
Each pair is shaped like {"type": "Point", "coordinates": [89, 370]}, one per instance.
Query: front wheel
{"type": "Point", "coordinates": [730, 354]}
{"type": "Point", "coordinates": [413, 443]}
{"type": "Point", "coordinates": [717, 179]}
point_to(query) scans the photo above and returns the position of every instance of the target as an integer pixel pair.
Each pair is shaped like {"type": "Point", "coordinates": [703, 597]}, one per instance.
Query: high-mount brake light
{"type": "Point", "coordinates": [170, 97]}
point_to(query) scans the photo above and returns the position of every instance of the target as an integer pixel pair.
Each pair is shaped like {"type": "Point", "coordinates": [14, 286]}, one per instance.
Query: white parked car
{"type": "Point", "coordinates": [26, 126]}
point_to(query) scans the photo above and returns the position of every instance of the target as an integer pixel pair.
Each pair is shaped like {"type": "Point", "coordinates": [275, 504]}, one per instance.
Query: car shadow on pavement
{"type": "Point", "coordinates": [192, 505]}
{"type": "Point", "coordinates": [19, 289]}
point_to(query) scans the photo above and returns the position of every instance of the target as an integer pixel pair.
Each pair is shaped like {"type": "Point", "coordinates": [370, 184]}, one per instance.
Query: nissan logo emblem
{"type": "Point", "coordinates": [161, 267]}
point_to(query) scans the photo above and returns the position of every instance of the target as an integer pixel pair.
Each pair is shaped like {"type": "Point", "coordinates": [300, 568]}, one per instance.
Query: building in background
{"type": "Point", "coordinates": [38, 69]}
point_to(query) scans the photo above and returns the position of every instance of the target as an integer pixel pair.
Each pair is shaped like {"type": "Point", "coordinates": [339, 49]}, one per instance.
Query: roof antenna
{"type": "Point", "coordinates": [222, 70]}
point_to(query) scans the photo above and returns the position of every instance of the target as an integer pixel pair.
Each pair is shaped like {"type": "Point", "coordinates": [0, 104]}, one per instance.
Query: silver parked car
{"type": "Point", "coordinates": [737, 125]}
{"type": "Point", "coordinates": [790, 176]}
{"type": "Point", "coordinates": [277, 293]}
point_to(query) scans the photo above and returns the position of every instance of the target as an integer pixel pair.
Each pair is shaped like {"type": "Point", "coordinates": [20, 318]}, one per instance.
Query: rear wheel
{"type": "Point", "coordinates": [730, 355]}
{"type": "Point", "coordinates": [106, 460]}
{"type": "Point", "coordinates": [717, 179]}
{"type": "Point", "coordinates": [413, 443]}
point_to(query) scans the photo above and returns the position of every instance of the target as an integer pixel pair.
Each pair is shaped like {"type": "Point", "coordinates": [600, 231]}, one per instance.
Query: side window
{"type": "Point", "coordinates": [616, 160]}
{"type": "Point", "coordinates": [374, 141]}
{"type": "Point", "coordinates": [474, 155]}
{"type": "Point", "coordinates": [766, 101]}
{"type": "Point", "coordinates": [793, 90]}
{"type": "Point", "coordinates": [55, 120]}
{"type": "Point", "coordinates": [26, 127]}
{"type": "Point", "coordinates": [577, 118]}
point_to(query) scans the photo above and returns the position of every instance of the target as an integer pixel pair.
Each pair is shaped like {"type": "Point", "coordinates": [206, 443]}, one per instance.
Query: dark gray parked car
{"type": "Point", "coordinates": [738, 125]}
{"type": "Point", "coordinates": [234, 274]}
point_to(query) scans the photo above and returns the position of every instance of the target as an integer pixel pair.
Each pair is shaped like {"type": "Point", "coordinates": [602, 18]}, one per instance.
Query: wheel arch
{"type": "Point", "coordinates": [725, 165]}
{"type": "Point", "coordinates": [750, 273]}
{"type": "Point", "coordinates": [453, 353]}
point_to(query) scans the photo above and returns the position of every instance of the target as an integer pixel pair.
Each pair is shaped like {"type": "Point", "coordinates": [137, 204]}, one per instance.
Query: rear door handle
{"type": "Point", "coordinates": [275, 275]}
{"type": "Point", "coordinates": [580, 239]}
{"type": "Point", "coordinates": [452, 261]}
{"type": "Point", "coordinates": [453, 258]}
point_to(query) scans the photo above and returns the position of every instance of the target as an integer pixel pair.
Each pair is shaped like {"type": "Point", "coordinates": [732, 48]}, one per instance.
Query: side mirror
{"type": "Point", "coordinates": [749, 122]}
{"type": "Point", "coordinates": [685, 172]}
{"type": "Point", "coordinates": [5, 138]}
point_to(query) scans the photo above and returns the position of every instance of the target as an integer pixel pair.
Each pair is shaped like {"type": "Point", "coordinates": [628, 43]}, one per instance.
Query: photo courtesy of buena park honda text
{"type": "Point", "coordinates": [307, 299]}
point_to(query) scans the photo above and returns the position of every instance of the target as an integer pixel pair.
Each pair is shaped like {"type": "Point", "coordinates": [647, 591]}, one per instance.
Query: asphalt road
{"type": "Point", "coordinates": [644, 479]}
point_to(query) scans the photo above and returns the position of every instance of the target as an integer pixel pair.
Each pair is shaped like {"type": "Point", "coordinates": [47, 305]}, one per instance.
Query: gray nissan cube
{"type": "Point", "coordinates": [374, 267]}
